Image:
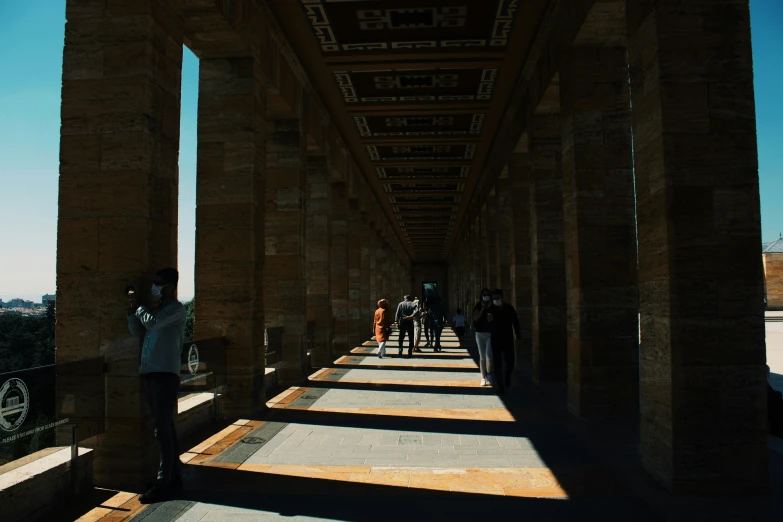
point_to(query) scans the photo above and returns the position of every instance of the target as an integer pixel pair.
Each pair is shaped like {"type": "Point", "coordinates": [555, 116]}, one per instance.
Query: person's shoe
{"type": "Point", "coordinates": [483, 382]}
{"type": "Point", "coordinates": [156, 494]}
{"type": "Point", "coordinates": [380, 357]}
{"type": "Point", "coordinates": [400, 353]}
{"type": "Point", "coordinates": [417, 350]}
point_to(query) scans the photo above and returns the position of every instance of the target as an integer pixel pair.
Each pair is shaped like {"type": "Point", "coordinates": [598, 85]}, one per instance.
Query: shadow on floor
{"type": "Point", "coordinates": [333, 500]}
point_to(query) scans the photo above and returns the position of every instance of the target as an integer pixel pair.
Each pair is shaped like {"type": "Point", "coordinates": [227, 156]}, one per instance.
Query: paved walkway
{"type": "Point", "coordinates": [399, 439]}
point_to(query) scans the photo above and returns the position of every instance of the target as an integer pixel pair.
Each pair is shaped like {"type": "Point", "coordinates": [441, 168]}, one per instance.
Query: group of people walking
{"type": "Point", "coordinates": [494, 321]}
{"type": "Point", "coordinates": [412, 317]}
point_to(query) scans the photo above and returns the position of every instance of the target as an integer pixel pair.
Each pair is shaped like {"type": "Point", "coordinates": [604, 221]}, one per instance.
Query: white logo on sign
{"type": "Point", "coordinates": [14, 404]}
{"type": "Point", "coordinates": [193, 359]}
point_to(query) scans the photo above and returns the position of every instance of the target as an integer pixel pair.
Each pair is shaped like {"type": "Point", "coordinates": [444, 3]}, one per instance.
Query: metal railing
{"type": "Point", "coordinates": [203, 368]}
{"type": "Point", "coordinates": [52, 405]}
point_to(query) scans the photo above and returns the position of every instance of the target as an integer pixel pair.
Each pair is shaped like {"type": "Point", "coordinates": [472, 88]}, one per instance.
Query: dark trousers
{"type": "Point", "coordinates": [503, 360]}
{"type": "Point", "coordinates": [427, 328]}
{"type": "Point", "coordinates": [160, 390]}
{"type": "Point", "coordinates": [406, 327]}
{"type": "Point", "coordinates": [460, 331]}
{"type": "Point", "coordinates": [436, 331]}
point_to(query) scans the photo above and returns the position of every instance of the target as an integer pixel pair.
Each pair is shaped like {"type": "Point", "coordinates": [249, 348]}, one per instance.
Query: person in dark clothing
{"type": "Point", "coordinates": [438, 318]}
{"type": "Point", "coordinates": [483, 329]}
{"type": "Point", "coordinates": [505, 324]}
{"type": "Point", "coordinates": [404, 318]}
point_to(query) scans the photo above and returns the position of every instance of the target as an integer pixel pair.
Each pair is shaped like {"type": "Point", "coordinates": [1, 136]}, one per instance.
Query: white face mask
{"type": "Point", "coordinates": [156, 290]}
{"type": "Point", "coordinates": [485, 298]}
{"type": "Point", "coordinates": [497, 302]}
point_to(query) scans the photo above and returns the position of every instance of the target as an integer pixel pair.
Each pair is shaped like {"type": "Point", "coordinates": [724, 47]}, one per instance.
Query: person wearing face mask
{"type": "Point", "coordinates": [483, 330]}
{"type": "Point", "coordinates": [505, 324]}
{"type": "Point", "coordinates": [162, 327]}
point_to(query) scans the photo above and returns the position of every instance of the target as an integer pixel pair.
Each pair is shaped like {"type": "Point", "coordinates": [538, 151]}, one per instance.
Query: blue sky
{"type": "Point", "coordinates": [31, 44]}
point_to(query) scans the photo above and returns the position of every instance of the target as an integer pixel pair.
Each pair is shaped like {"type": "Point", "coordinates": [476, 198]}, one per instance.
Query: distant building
{"type": "Point", "coordinates": [20, 303]}
{"type": "Point", "coordinates": [46, 298]}
{"type": "Point", "coordinates": [772, 253]}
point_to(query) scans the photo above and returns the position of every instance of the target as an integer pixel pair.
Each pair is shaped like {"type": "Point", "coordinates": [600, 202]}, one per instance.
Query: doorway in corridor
{"type": "Point", "coordinates": [429, 289]}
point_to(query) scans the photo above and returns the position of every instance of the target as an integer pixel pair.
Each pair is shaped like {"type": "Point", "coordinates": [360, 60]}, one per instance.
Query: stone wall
{"type": "Point", "coordinates": [773, 280]}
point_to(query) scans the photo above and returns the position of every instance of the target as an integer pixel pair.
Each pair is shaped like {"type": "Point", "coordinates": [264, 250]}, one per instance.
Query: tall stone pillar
{"type": "Point", "coordinates": [703, 398]}
{"type": "Point", "coordinates": [356, 325]}
{"type": "Point", "coordinates": [548, 260]}
{"type": "Point", "coordinates": [380, 270]}
{"type": "Point", "coordinates": [600, 234]}
{"type": "Point", "coordinates": [230, 223]}
{"type": "Point", "coordinates": [373, 257]}
{"type": "Point", "coordinates": [117, 220]}
{"type": "Point", "coordinates": [339, 266]}
{"type": "Point", "coordinates": [475, 260]}
{"type": "Point", "coordinates": [504, 220]}
{"type": "Point", "coordinates": [491, 255]}
{"type": "Point", "coordinates": [484, 247]}
{"type": "Point", "coordinates": [318, 249]}
{"type": "Point", "coordinates": [368, 306]}
{"type": "Point", "coordinates": [285, 286]}
{"type": "Point", "coordinates": [521, 248]}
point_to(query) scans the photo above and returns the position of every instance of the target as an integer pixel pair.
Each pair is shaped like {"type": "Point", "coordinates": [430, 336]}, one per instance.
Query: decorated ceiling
{"type": "Point", "coordinates": [419, 89]}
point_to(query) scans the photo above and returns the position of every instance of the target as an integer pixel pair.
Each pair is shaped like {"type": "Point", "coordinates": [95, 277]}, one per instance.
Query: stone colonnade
{"type": "Point", "coordinates": [288, 232]}
{"type": "Point", "coordinates": [632, 258]}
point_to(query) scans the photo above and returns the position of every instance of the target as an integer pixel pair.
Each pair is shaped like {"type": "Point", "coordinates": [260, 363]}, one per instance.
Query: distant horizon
{"type": "Point", "coordinates": [36, 298]}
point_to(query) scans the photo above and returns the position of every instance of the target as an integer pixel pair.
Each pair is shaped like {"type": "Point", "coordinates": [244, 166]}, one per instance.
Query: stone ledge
{"type": "Point", "coordinates": [32, 491]}
{"type": "Point", "coordinates": [194, 412]}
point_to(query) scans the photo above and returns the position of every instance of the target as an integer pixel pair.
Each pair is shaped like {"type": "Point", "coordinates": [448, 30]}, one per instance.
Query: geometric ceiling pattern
{"type": "Point", "coordinates": [416, 81]}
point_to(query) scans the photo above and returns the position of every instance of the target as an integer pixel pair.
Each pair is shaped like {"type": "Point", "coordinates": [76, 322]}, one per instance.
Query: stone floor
{"type": "Point", "coordinates": [418, 439]}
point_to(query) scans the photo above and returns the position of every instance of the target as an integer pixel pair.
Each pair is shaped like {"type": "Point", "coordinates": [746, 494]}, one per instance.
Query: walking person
{"type": "Point", "coordinates": [483, 330]}
{"type": "Point", "coordinates": [419, 315]}
{"type": "Point", "coordinates": [505, 325]}
{"type": "Point", "coordinates": [404, 318]}
{"type": "Point", "coordinates": [382, 323]}
{"type": "Point", "coordinates": [438, 320]}
{"type": "Point", "coordinates": [163, 327]}
{"type": "Point", "coordinates": [427, 323]}
{"type": "Point", "coordinates": [458, 323]}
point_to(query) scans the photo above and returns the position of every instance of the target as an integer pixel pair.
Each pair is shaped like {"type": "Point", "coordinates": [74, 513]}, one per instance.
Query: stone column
{"type": "Point", "coordinates": [373, 256]}
{"type": "Point", "coordinates": [380, 274]}
{"type": "Point", "coordinates": [503, 234]}
{"type": "Point", "coordinates": [703, 398]}
{"type": "Point", "coordinates": [520, 246]}
{"type": "Point", "coordinates": [484, 247]}
{"type": "Point", "coordinates": [548, 260]}
{"type": "Point", "coordinates": [600, 234]}
{"type": "Point", "coordinates": [117, 222]}
{"type": "Point", "coordinates": [368, 306]}
{"type": "Point", "coordinates": [230, 223]}
{"type": "Point", "coordinates": [339, 265]}
{"type": "Point", "coordinates": [355, 327]}
{"type": "Point", "coordinates": [318, 248]}
{"type": "Point", "coordinates": [475, 261]}
{"type": "Point", "coordinates": [285, 287]}
{"type": "Point", "coordinates": [491, 254]}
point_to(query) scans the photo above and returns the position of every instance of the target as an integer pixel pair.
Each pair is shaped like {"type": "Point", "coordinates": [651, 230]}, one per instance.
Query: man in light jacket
{"type": "Point", "coordinates": [163, 327]}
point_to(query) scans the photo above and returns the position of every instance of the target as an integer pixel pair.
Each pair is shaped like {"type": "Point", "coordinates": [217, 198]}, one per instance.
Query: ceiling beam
{"type": "Point", "coordinates": [425, 194]}
{"type": "Point", "coordinates": [391, 56]}
{"type": "Point", "coordinates": [421, 181]}
{"type": "Point", "coordinates": [390, 108]}
{"type": "Point", "coordinates": [415, 65]}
